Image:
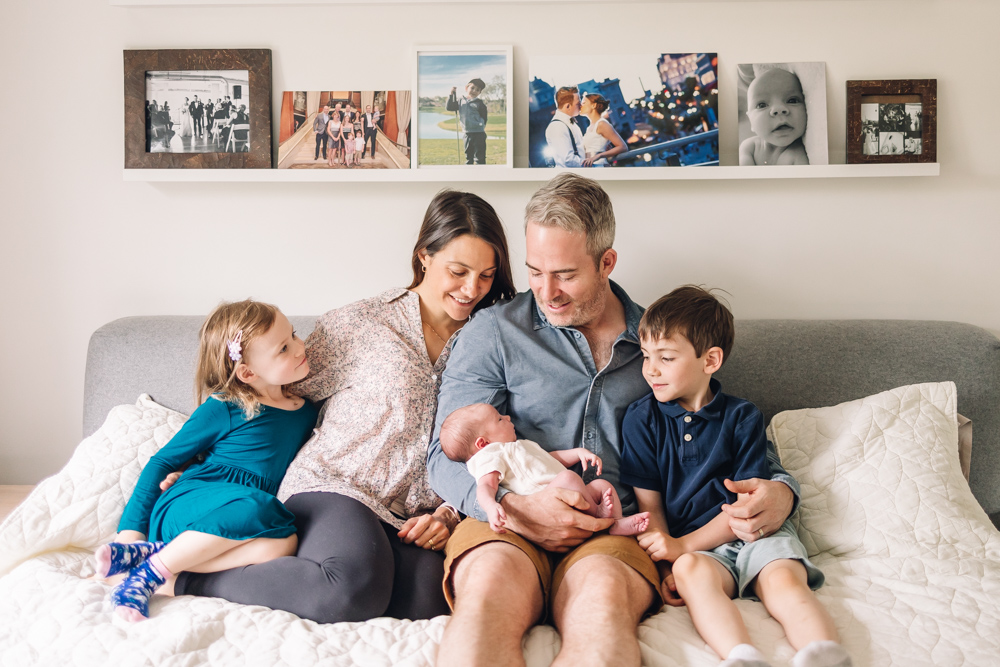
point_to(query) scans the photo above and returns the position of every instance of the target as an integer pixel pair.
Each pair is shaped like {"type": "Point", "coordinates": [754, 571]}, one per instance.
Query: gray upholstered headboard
{"type": "Point", "coordinates": [777, 364]}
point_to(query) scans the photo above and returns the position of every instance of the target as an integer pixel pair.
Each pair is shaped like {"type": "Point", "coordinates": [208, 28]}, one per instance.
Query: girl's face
{"type": "Point", "coordinates": [278, 357]}
{"type": "Point", "coordinates": [458, 276]}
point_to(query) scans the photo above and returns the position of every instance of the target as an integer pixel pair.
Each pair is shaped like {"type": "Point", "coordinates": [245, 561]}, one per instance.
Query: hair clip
{"type": "Point", "coordinates": [235, 351]}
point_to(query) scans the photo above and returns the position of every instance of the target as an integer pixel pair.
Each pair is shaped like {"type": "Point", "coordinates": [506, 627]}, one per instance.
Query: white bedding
{"type": "Point", "coordinates": [911, 560]}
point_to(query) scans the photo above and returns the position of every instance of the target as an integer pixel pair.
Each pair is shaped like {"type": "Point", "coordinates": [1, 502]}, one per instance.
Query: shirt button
{"type": "Point", "coordinates": [687, 437]}
{"type": "Point", "coordinates": [687, 419]}
{"type": "Point", "coordinates": [434, 376]}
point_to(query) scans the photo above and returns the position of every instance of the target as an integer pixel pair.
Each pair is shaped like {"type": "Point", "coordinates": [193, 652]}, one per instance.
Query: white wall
{"type": "Point", "coordinates": [81, 247]}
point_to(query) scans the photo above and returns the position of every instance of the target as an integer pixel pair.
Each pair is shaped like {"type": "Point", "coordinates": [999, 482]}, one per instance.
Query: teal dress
{"type": "Point", "coordinates": [232, 492]}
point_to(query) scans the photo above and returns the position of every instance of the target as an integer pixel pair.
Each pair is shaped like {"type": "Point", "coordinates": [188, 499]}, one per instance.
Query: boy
{"type": "Point", "coordinates": [484, 440]}
{"type": "Point", "coordinates": [472, 112]}
{"type": "Point", "coordinates": [776, 108]}
{"type": "Point", "coordinates": [682, 445]}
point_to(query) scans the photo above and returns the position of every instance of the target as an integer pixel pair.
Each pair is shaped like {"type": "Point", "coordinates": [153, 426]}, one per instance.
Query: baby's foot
{"type": "Point", "coordinates": [607, 506]}
{"type": "Point", "coordinates": [131, 597]}
{"type": "Point", "coordinates": [115, 558]}
{"type": "Point", "coordinates": [630, 525]}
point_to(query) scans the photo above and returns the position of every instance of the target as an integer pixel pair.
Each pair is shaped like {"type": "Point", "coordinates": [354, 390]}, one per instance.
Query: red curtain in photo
{"type": "Point", "coordinates": [287, 127]}
{"type": "Point", "coordinates": [389, 125]}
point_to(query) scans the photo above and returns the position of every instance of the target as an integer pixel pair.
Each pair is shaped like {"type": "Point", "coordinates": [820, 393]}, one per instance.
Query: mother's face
{"type": "Point", "coordinates": [458, 276]}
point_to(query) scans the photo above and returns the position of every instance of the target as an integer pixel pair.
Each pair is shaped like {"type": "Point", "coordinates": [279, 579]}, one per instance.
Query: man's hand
{"type": "Point", "coordinates": [760, 508]}
{"type": "Point", "coordinates": [552, 518]}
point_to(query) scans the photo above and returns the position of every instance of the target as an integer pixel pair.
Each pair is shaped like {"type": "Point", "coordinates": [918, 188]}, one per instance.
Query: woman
{"type": "Point", "coordinates": [334, 129]}
{"type": "Point", "coordinates": [187, 127]}
{"type": "Point", "coordinates": [371, 531]}
{"type": "Point", "coordinates": [600, 133]}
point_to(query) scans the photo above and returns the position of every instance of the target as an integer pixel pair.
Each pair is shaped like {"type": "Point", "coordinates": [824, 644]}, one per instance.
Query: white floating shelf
{"type": "Point", "coordinates": [478, 174]}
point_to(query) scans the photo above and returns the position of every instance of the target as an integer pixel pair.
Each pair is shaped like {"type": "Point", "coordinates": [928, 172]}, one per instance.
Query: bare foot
{"type": "Point", "coordinates": [607, 507]}
{"type": "Point", "coordinates": [630, 525]}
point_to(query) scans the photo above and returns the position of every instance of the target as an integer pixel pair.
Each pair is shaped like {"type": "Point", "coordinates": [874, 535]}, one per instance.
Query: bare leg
{"type": "Point", "coordinates": [201, 552]}
{"type": "Point", "coordinates": [782, 587]}
{"type": "Point", "coordinates": [708, 588]}
{"type": "Point", "coordinates": [497, 598]}
{"type": "Point", "coordinates": [600, 592]}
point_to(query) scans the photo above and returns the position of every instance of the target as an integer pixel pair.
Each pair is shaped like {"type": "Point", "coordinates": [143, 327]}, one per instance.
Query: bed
{"type": "Point", "coordinates": [865, 414]}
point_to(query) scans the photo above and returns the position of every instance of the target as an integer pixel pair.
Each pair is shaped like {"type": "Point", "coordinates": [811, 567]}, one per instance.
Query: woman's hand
{"type": "Point", "coordinates": [427, 531]}
{"type": "Point", "coordinates": [589, 162]}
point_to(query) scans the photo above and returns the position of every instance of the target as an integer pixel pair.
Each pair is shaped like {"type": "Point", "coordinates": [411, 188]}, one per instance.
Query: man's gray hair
{"type": "Point", "coordinates": [576, 204]}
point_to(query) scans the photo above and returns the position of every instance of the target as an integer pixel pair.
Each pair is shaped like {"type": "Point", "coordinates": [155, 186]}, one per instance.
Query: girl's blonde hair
{"type": "Point", "coordinates": [216, 373]}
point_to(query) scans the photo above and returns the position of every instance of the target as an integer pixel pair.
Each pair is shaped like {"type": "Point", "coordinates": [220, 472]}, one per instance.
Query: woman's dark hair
{"type": "Point", "coordinates": [452, 214]}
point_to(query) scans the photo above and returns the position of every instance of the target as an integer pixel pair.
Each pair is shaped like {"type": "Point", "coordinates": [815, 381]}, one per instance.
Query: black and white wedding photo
{"type": "Point", "coordinates": [197, 111]}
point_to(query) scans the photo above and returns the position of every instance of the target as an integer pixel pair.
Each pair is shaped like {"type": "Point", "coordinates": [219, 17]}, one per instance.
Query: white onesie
{"type": "Point", "coordinates": [524, 466]}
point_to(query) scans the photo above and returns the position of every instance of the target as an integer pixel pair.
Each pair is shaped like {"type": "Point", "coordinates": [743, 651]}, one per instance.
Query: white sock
{"type": "Point", "coordinates": [824, 653]}
{"type": "Point", "coordinates": [746, 652]}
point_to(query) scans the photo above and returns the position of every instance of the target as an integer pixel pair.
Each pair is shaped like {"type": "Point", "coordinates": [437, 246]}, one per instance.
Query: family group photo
{"type": "Point", "coordinates": [344, 129]}
{"type": "Point", "coordinates": [201, 111]}
{"type": "Point", "coordinates": [624, 111]}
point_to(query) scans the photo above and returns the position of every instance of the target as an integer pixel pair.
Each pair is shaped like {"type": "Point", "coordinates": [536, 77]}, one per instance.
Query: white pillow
{"type": "Point", "coordinates": [880, 476]}
{"type": "Point", "coordinates": [80, 506]}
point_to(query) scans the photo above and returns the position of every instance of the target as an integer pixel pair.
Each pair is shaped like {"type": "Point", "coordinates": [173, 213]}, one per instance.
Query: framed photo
{"type": "Point", "coordinates": [461, 102]}
{"type": "Point", "coordinates": [892, 121]}
{"type": "Point", "coordinates": [782, 114]}
{"type": "Point", "coordinates": [198, 109]}
{"type": "Point", "coordinates": [345, 129]}
{"type": "Point", "coordinates": [643, 110]}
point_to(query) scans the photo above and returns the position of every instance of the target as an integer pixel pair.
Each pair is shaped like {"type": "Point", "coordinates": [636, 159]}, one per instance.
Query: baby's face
{"type": "Point", "coordinates": [776, 107]}
{"type": "Point", "coordinates": [494, 426]}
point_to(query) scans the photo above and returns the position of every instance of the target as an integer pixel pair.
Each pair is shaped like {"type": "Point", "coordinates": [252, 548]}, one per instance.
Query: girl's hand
{"type": "Point", "coordinates": [587, 456]}
{"type": "Point", "coordinates": [169, 480]}
{"type": "Point", "coordinates": [428, 531]}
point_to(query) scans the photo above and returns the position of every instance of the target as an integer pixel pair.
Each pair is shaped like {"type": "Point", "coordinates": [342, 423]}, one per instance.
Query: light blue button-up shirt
{"type": "Point", "coordinates": [544, 377]}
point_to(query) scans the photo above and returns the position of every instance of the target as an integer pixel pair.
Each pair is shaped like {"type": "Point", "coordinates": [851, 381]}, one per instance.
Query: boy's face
{"type": "Point", "coordinates": [494, 426]}
{"type": "Point", "coordinates": [673, 370]}
{"type": "Point", "coordinates": [776, 107]}
{"type": "Point", "coordinates": [472, 90]}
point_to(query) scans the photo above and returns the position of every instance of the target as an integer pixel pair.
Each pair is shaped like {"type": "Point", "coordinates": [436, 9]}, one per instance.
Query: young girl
{"type": "Point", "coordinates": [222, 512]}
{"type": "Point", "coordinates": [348, 148]}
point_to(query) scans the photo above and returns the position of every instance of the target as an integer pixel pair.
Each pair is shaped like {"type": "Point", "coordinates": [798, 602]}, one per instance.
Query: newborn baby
{"type": "Point", "coordinates": [485, 441]}
{"type": "Point", "coordinates": [776, 108]}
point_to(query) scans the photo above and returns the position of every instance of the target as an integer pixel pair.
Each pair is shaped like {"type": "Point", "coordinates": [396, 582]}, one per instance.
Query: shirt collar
{"type": "Point", "coordinates": [712, 411]}
{"type": "Point", "coordinates": [564, 117]}
{"type": "Point", "coordinates": [633, 313]}
{"type": "Point", "coordinates": [391, 295]}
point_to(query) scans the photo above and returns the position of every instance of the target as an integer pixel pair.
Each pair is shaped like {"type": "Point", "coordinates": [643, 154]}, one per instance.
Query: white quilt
{"type": "Point", "coordinates": [912, 562]}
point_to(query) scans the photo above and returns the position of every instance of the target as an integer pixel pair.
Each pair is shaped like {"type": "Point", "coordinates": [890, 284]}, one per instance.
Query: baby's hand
{"type": "Point", "coordinates": [587, 456]}
{"type": "Point", "coordinates": [497, 517]}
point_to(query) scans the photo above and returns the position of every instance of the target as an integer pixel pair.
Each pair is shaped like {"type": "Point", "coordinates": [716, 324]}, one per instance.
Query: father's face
{"type": "Point", "coordinates": [562, 276]}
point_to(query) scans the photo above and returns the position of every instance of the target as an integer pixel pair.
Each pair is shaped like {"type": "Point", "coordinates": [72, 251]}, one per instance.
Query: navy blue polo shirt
{"type": "Point", "coordinates": [685, 456]}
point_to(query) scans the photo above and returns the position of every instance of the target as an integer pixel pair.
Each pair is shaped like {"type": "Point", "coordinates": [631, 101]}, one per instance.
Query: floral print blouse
{"type": "Point", "coordinates": [369, 359]}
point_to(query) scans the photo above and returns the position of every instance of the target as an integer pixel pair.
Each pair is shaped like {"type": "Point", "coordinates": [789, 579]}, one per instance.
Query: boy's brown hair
{"type": "Point", "coordinates": [693, 312]}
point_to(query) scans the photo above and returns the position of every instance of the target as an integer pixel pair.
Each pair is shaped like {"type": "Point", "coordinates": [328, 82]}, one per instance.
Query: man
{"type": "Point", "coordinates": [209, 115]}
{"type": "Point", "coordinates": [563, 135]}
{"type": "Point", "coordinates": [319, 127]}
{"type": "Point", "coordinates": [370, 121]}
{"type": "Point", "coordinates": [197, 111]}
{"type": "Point", "coordinates": [563, 361]}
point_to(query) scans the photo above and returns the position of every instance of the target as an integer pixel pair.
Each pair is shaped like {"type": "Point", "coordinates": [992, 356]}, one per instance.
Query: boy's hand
{"type": "Point", "coordinates": [453, 89]}
{"type": "Point", "coordinates": [668, 589]}
{"type": "Point", "coordinates": [587, 456]}
{"type": "Point", "coordinates": [660, 546]}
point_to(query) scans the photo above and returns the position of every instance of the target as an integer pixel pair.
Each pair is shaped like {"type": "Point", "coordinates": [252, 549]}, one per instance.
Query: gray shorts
{"type": "Point", "coordinates": [745, 560]}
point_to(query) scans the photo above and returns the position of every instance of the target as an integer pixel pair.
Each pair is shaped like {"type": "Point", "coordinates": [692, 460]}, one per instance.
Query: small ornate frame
{"type": "Point", "coordinates": [258, 64]}
{"type": "Point", "coordinates": [922, 91]}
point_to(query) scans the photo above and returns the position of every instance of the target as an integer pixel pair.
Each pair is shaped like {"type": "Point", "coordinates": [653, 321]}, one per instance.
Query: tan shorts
{"type": "Point", "coordinates": [551, 566]}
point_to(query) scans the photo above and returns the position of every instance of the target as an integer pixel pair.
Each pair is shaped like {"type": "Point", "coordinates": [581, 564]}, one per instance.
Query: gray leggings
{"type": "Point", "coordinates": [350, 566]}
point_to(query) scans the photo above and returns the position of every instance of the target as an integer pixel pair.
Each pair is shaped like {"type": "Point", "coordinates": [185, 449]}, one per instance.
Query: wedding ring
{"type": "Point", "coordinates": [431, 542]}
{"type": "Point", "coordinates": [761, 532]}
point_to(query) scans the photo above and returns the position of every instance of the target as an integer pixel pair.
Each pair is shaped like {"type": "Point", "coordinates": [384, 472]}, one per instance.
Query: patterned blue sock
{"type": "Point", "coordinates": [131, 597]}
{"type": "Point", "coordinates": [115, 558]}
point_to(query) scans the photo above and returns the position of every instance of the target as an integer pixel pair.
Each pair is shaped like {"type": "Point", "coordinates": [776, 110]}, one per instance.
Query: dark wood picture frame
{"type": "Point", "coordinates": [882, 92]}
{"type": "Point", "coordinates": [257, 62]}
